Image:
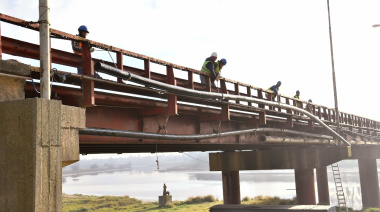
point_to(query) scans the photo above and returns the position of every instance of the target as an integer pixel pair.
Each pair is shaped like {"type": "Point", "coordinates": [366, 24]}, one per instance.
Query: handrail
{"type": "Point", "coordinates": [356, 121]}
{"type": "Point", "coordinates": [141, 80]}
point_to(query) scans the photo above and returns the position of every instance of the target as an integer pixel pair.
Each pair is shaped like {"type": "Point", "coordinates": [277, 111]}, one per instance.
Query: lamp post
{"type": "Point", "coordinates": [333, 73]}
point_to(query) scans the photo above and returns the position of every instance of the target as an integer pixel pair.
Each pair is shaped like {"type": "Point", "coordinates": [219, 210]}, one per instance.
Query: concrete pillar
{"type": "Point", "coordinates": [323, 186]}
{"type": "Point", "coordinates": [305, 186]}
{"type": "Point", "coordinates": [369, 183]}
{"type": "Point", "coordinates": [30, 155]}
{"type": "Point", "coordinates": [231, 187]}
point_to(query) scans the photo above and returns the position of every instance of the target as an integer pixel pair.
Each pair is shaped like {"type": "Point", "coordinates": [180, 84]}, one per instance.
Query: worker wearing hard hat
{"type": "Point", "coordinates": [208, 67]}
{"type": "Point", "coordinates": [297, 96]}
{"type": "Point", "coordinates": [218, 67]}
{"type": "Point", "coordinates": [77, 46]}
{"type": "Point", "coordinates": [275, 89]}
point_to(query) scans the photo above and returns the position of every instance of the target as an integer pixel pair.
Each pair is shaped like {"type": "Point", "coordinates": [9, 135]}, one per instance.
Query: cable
{"type": "Point", "coordinates": [35, 87]}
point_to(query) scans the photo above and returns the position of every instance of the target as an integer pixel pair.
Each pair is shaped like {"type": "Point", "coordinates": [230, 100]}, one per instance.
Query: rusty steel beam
{"type": "Point", "coordinates": [88, 70]}
{"type": "Point", "coordinates": [172, 99]}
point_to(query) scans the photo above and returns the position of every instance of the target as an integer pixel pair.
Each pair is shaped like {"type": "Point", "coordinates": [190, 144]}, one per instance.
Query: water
{"type": "Point", "coordinates": [147, 186]}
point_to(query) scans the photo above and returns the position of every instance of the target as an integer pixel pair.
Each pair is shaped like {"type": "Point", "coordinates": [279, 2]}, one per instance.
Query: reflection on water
{"type": "Point", "coordinates": [147, 186]}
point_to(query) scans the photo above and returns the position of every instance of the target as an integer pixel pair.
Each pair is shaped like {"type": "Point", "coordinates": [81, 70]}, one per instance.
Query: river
{"type": "Point", "coordinates": [147, 186]}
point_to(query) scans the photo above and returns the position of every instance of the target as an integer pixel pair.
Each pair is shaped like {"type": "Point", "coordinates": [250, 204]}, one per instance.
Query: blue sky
{"type": "Point", "coordinates": [263, 40]}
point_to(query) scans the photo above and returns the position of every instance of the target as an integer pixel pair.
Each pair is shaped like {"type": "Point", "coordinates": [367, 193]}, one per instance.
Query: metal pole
{"type": "Point", "coordinates": [44, 48]}
{"type": "Point", "coordinates": [333, 72]}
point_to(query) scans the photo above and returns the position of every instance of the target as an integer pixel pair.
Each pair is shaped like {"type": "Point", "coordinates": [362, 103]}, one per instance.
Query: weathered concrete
{"type": "Point", "coordinates": [231, 187]}
{"type": "Point", "coordinates": [12, 88]}
{"type": "Point", "coordinates": [72, 119]}
{"type": "Point", "coordinates": [305, 188]}
{"type": "Point", "coordinates": [323, 186]}
{"type": "Point", "coordinates": [14, 67]}
{"type": "Point", "coordinates": [31, 153]}
{"type": "Point", "coordinates": [269, 208]}
{"type": "Point", "coordinates": [369, 183]}
{"type": "Point", "coordinates": [163, 200]}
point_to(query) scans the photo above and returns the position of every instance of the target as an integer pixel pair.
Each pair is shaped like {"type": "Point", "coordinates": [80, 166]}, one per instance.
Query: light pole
{"type": "Point", "coordinates": [333, 73]}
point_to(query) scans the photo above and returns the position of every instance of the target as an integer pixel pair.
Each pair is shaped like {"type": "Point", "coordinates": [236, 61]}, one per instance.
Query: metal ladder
{"type": "Point", "coordinates": [339, 188]}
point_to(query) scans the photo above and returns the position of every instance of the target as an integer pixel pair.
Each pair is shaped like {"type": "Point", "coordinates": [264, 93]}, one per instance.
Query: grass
{"type": "Point", "coordinates": [79, 203]}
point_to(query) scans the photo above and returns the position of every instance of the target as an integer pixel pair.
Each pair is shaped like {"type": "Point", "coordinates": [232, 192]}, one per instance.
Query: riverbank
{"type": "Point", "coordinates": [80, 202]}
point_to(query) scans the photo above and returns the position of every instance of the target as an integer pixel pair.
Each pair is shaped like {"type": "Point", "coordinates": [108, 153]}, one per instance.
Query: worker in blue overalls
{"type": "Point", "coordinates": [275, 89]}
{"type": "Point", "coordinates": [77, 47]}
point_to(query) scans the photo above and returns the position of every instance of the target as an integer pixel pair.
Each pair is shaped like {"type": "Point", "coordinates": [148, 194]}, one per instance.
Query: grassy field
{"type": "Point", "coordinates": [76, 203]}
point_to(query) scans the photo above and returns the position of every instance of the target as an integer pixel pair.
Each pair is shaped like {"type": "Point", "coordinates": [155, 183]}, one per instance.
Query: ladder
{"type": "Point", "coordinates": [339, 188]}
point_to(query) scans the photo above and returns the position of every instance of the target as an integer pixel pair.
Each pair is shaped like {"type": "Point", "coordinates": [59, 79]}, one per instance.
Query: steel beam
{"type": "Point", "coordinates": [323, 186]}
{"type": "Point", "coordinates": [300, 158]}
{"type": "Point", "coordinates": [88, 70]}
{"type": "Point", "coordinates": [172, 99]}
{"type": "Point", "coordinates": [305, 186]}
{"type": "Point", "coordinates": [119, 59]}
{"type": "Point", "coordinates": [231, 187]}
{"type": "Point", "coordinates": [369, 183]}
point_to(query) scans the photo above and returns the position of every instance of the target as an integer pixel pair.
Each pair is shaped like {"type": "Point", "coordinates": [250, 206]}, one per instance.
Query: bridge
{"type": "Point", "coordinates": [140, 110]}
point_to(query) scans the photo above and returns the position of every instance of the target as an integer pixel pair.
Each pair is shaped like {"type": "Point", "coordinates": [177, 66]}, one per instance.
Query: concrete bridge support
{"type": "Point", "coordinates": [323, 186]}
{"type": "Point", "coordinates": [305, 186]}
{"type": "Point", "coordinates": [231, 187]}
{"type": "Point", "coordinates": [369, 183]}
{"type": "Point", "coordinates": [37, 138]}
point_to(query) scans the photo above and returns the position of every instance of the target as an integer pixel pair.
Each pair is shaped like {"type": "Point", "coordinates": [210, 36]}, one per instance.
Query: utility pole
{"type": "Point", "coordinates": [333, 73]}
{"type": "Point", "coordinates": [44, 48]}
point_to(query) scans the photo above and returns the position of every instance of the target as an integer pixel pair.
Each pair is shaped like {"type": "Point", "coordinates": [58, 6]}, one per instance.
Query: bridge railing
{"type": "Point", "coordinates": [29, 50]}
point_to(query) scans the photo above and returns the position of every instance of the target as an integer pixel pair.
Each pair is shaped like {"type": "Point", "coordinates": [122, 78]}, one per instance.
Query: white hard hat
{"type": "Point", "coordinates": [214, 54]}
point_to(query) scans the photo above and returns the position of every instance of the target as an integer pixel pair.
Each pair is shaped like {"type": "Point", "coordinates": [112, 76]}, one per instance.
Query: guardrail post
{"type": "Point", "coordinates": [287, 101]}
{"type": "Point", "coordinates": [249, 94]}
{"type": "Point", "coordinates": [147, 68]}
{"type": "Point", "coordinates": [208, 83]}
{"type": "Point", "coordinates": [172, 99]}
{"type": "Point", "coordinates": [237, 92]}
{"type": "Point", "coordinates": [260, 96]}
{"type": "Point", "coordinates": [88, 70]}
{"type": "Point", "coordinates": [225, 107]}
{"type": "Point", "coordinates": [190, 79]}
{"type": "Point", "coordinates": [119, 59]}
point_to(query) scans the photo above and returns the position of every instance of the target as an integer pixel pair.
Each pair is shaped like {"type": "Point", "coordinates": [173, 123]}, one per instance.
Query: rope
{"type": "Point", "coordinates": [163, 127]}
{"type": "Point", "coordinates": [158, 163]}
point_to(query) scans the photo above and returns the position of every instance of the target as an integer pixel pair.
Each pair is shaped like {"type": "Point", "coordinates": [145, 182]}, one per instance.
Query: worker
{"type": "Point", "coordinates": [309, 107]}
{"type": "Point", "coordinates": [297, 96]}
{"type": "Point", "coordinates": [208, 67]}
{"type": "Point", "coordinates": [275, 89]}
{"type": "Point", "coordinates": [77, 47]}
{"type": "Point", "coordinates": [218, 67]}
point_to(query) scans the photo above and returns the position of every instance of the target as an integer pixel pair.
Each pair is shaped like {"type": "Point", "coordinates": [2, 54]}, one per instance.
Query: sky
{"type": "Point", "coordinates": [263, 41]}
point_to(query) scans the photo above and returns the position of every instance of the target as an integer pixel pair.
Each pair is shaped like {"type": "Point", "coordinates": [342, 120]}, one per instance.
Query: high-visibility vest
{"type": "Point", "coordinates": [217, 68]}
{"type": "Point", "coordinates": [298, 103]}
{"type": "Point", "coordinates": [204, 66]}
